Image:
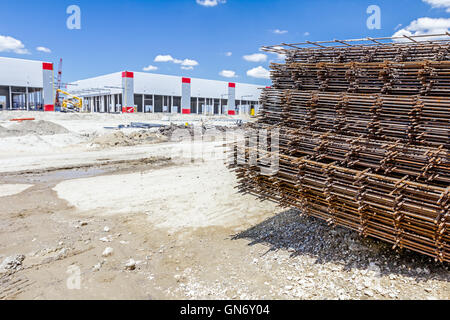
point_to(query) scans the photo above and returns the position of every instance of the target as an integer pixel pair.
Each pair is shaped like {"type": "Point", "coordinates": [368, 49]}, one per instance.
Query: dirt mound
{"type": "Point", "coordinates": [120, 139]}
{"type": "Point", "coordinates": [169, 130]}
{"type": "Point", "coordinates": [41, 128]}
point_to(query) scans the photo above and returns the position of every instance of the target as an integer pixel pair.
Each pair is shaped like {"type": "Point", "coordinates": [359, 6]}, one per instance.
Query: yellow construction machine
{"type": "Point", "coordinates": [71, 103]}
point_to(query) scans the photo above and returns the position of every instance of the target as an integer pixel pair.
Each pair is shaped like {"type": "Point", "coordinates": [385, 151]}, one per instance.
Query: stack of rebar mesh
{"type": "Point", "coordinates": [364, 138]}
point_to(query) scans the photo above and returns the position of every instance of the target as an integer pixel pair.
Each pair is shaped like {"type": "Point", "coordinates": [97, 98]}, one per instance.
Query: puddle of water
{"type": "Point", "coordinates": [54, 176]}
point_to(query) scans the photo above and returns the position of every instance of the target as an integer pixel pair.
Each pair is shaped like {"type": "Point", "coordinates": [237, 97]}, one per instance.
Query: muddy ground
{"type": "Point", "coordinates": [173, 229]}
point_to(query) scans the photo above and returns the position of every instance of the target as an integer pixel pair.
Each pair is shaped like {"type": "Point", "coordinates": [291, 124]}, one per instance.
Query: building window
{"type": "Point", "coordinates": [148, 103]}
{"type": "Point", "coordinates": [177, 103]}
{"type": "Point", "coordinates": [224, 104]}
{"type": "Point", "coordinates": [193, 105]}
{"type": "Point", "coordinates": [158, 106]}
{"type": "Point", "coordinates": [138, 102]}
{"type": "Point", "coordinates": [216, 106]}
{"type": "Point", "coordinates": [167, 105]}
{"type": "Point", "coordinates": [201, 105]}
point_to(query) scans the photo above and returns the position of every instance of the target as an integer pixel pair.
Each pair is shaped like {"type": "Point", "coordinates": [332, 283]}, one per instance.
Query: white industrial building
{"type": "Point", "coordinates": [30, 85]}
{"type": "Point", "coordinates": [147, 92]}
{"type": "Point", "coordinates": [22, 84]}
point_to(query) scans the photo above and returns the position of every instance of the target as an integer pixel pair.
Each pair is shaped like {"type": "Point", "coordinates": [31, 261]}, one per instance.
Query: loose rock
{"type": "Point", "coordinates": [107, 252]}
{"type": "Point", "coordinates": [12, 262]}
{"type": "Point", "coordinates": [130, 265]}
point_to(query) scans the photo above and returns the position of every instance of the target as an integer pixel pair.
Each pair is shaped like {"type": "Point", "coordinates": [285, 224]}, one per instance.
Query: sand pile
{"type": "Point", "coordinates": [119, 138]}
{"type": "Point", "coordinates": [40, 128]}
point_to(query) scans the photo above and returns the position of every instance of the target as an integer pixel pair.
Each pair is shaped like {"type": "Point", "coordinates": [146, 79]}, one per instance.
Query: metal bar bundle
{"type": "Point", "coordinates": [361, 143]}
{"type": "Point", "coordinates": [421, 120]}
{"type": "Point", "coordinates": [375, 53]}
{"type": "Point", "coordinates": [405, 78]}
{"type": "Point", "coordinates": [397, 49]}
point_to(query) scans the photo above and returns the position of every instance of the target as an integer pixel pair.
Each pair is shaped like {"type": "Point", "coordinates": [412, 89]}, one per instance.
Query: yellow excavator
{"type": "Point", "coordinates": [71, 103]}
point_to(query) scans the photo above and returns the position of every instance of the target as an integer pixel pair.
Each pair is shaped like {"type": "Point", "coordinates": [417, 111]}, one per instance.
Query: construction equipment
{"type": "Point", "coordinates": [72, 104]}
{"type": "Point", "coordinates": [58, 86]}
{"type": "Point", "coordinates": [363, 138]}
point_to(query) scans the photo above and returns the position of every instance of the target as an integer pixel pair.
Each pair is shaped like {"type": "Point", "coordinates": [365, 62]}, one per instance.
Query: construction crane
{"type": "Point", "coordinates": [57, 100]}
{"type": "Point", "coordinates": [72, 103]}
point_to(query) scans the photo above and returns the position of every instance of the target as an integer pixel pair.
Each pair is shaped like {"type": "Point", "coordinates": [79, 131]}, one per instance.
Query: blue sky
{"type": "Point", "coordinates": [129, 35]}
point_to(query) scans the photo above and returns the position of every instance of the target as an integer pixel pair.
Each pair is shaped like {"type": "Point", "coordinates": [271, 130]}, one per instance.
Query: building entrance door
{"type": "Point", "coordinates": [19, 101]}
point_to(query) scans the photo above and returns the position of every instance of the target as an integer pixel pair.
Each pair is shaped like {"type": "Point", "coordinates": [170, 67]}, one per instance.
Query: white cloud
{"type": "Point", "coordinates": [10, 44]}
{"type": "Point", "coordinates": [259, 72]}
{"type": "Point", "coordinates": [184, 63]}
{"type": "Point", "coordinates": [229, 53]}
{"type": "Point", "coordinates": [43, 49]}
{"type": "Point", "coordinates": [189, 63]}
{"type": "Point", "coordinates": [210, 3]}
{"type": "Point", "coordinates": [424, 26]}
{"type": "Point", "coordinates": [278, 31]}
{"type": "Point", "coordinates": [398, 27]}
{"type": "Point", "coordinates": [163, 58]}
{"type": "Point", "coordinates": [227, 74]}
{"type": "Point", "coordinates": [306, 34]}
{"type": "Point", "coordinates": [256, 57]}
{"type": "Point", "coordinates": [150, 68]}
{"type": "Point", "coordinates": [280, 56]}
{"type": "Point", "coordinates": [439, 4]}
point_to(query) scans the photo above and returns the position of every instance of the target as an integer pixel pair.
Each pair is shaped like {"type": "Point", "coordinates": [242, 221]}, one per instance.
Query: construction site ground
{"type": "Point", "coordinates": [69, 189]}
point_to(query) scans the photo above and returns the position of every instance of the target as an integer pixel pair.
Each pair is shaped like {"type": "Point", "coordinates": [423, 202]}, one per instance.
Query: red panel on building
{"type": "Point", "coordinates": [127, 74]}
{"type": "Point", "coordinates": [127, 109]}
{"type": "Point", "coordinates": [231, 112]}
{"type": "Point", "coordinates": [49, 107]}
{"type": "Point", "coordinates": [47, 66]}
{"type": "Point", "coordinates": [186, 80]}
{"type": "Point", "coordinates": [232, 85]}
{"type": "Point", "coordinates": [186, 111]}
